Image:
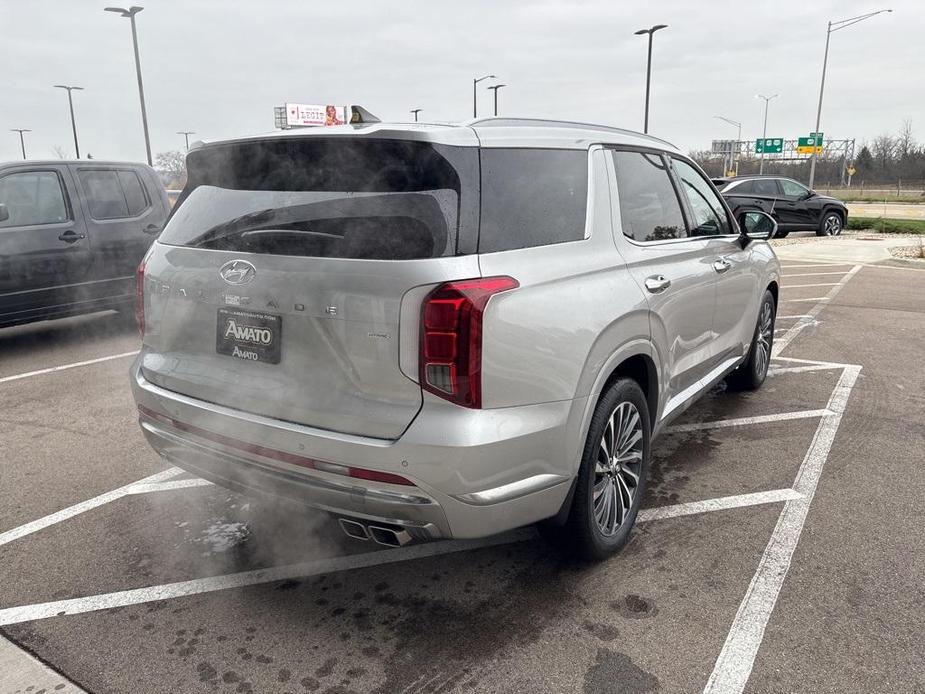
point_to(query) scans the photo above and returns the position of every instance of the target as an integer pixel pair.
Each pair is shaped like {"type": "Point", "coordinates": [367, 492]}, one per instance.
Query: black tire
{"type": "Point", "coordinates": [781, 234]}
{"type": "Point", "coordinates": [582, 535]}
{"type": "Point", "coordinates": [752, 372]}
{"type": "Point", "coordinates": [831, 224]}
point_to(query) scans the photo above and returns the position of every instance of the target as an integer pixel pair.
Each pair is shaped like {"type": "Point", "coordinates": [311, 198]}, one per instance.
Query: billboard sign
{"type": "Point", "coordinates": [305, 115]}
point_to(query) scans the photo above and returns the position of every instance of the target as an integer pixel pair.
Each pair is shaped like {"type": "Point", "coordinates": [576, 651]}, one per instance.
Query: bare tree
{"type": "Point", "coordinates": [172, 168]}
{"type": "Point", "coordinates": [59, 152]}
{"type": "Point", "coordinates": [905, 141]}
{"type": "Point", "coordinates": [883, 148]}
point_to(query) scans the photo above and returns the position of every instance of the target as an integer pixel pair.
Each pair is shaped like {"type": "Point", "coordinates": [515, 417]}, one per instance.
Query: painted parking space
{"type": "Point", "coordinates": [674, 612]}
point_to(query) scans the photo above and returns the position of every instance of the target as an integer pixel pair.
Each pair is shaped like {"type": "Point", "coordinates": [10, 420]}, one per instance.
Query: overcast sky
{"type": "Point", "coordinates": [218, 67]}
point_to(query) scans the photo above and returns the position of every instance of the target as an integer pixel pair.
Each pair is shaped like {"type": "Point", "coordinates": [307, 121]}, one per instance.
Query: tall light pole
{"type": "Point", "coordinates": [833, 26]}
{"type": "Point", "coordinates": [764, 135]}
{"type": "Point", "coordinates": [70, 103]}
{"type": "Point", "coordinates": [495, 89]}
{"type": "Point", "coordinates": [735, 160]}
{"type": "Point", "coordinates": [416, 111]}
{"type": "Point", "coordinates": [186, 134]}
{"type": "Point", "coordinates": [130, 13]}
{"type": "Point", "coordinates": [650, 31]}
{"type": "Point", "coordinates": [475, 83]}
{"type": "Point", "coordinates": [22, 142]}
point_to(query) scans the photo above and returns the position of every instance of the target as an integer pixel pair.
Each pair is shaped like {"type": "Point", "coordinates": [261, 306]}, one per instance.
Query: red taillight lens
{"type": "Point", "coordinates": [451, 338]}
{"type": "Point", "coordinates": [140, 298]}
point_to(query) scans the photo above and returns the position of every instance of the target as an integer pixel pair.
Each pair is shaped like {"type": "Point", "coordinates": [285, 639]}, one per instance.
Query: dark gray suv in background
{"type": "Point", "coordinates": [72, 234]}
{"type": "Point", "coordinates": [441, 331]}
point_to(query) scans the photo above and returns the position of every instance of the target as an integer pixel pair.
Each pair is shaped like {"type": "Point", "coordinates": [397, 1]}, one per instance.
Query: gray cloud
{"type": "Point", "coordinates": [219, 66]}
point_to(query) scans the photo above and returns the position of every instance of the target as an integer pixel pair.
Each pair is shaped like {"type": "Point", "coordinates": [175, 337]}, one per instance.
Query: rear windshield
{"type": "Point", "coordinates": [326, 197]}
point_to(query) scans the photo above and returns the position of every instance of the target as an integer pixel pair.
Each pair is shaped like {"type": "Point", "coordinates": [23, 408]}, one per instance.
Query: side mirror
{"type": "Point", "coordinates": [810, 194]}
{"type": "Point", "coordinates": [756, 226]}
{"type": "Point", "coordinates": [4, 213]}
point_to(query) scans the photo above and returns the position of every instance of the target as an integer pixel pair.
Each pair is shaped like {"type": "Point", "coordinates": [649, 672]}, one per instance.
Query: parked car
{"type": "Point", "coordinates": [793, 206]}
{"type": "Point", "coordinates": [446, 331]}
{"type": "Point", "coordinates": [72, 234]}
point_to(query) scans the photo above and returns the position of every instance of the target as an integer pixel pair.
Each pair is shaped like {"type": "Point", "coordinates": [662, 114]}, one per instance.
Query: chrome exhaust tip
{"type": "Point", "coordinates": [354, 529]}
{"type": "Point", "coordinates": [390, 537]}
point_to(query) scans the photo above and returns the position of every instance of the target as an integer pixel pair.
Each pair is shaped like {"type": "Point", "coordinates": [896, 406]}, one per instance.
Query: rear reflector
{"type": "Point", "coordinates": [451, 338]}
{"type": "Point", "coordinates": [273, 454]}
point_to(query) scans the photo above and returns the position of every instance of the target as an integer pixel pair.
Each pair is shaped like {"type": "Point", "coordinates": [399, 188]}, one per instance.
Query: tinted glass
{"type": "Point", "coordinates": [743, 188]}
{"type": "Point", "coordinates": [532, 197]}
{"type": "Point", "coordinates": [104, 194]}
{"type": "Point", "coordinates": [765, 186]}
{"type": "Point", "coordinates": [649, 207]}
{"type": "Point", "coordinates": [321, 197]}
{"type": "Point", "coordinates": [792, 189]}
{"type": "Point", "coordinates": [134, 192]}
{"type": "Point", "coordinates": [709, 215]}
{"type": "Point", "coordinates": [33, 197]}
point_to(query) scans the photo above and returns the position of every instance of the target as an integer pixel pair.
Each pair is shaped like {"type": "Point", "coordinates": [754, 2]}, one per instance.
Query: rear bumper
{"type": "Point", "coordinates": [473, 472]}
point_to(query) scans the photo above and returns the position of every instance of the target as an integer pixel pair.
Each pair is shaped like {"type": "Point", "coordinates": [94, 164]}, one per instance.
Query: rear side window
{"type": "Point", "coordinates": [649, 207]}
{"type": "Point", "coordinates": [33, 197]}
{"type": "Point", "coordinates": [134, 192]}
{"type": "Point", "coordinates": [764, 186]}
{"type": "Point", "coordinates": [104, 194]}
{"type": "Point", "coordinates": [532, 197]}
{"type": "Point", "coordinates": [326, 197]}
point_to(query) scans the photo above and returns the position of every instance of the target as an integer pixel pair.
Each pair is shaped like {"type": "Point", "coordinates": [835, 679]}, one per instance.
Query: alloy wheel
{"type": "Point", "coordinates": [617, 468]}
{"type": "Point", "coordinates": [765, 335]}
{"type": "Point", "coordinates": [832, 225]}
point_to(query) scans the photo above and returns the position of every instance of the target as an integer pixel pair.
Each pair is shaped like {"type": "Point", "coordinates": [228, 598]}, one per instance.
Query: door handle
{"type": "Point", "coordinates": [721, 265]}
{"type": "Point", "coordinates": [657, 284]}
{"type": "Point", "coordinates": [70, 237]}
{"type": "Point", "coordinates": [151, 229]}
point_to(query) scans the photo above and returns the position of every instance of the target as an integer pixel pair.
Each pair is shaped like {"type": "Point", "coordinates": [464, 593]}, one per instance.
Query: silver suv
{"type": "Point", "coordinates": [446, 331]}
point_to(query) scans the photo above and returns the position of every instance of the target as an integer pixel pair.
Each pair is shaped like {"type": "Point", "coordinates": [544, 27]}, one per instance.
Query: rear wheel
{"type": "Point", "coordinates": [612, 477]}
{"type": "Point", "coordinates": [831, 224]}
{"type": "Point", "coordinates": [751, 374]}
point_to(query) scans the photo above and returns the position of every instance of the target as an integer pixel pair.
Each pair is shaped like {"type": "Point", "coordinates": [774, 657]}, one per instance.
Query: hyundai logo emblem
{"type": "Point", "coordinates": [237, 272]}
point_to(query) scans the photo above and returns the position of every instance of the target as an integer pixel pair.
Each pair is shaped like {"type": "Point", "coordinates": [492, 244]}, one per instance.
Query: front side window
{"type": "Point", "coordinates": [792, 189]}
{"type": "Point", "coordinates": [33, 197]}
{"type": "Point", "coordinates": [532, 197]}
{"type": "Point", "coordinates": [649, 207]}
{"type": "Point", "coordinates": [708, 214]}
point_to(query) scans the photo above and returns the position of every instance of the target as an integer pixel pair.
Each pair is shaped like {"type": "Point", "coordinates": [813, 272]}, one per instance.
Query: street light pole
{"type": "Point", "coordinates": [130, 13]}
{"type": "Point", "coordinates": [70, 103]}
{"type": "Point", "coordinates": [475, 82]}
{"type": "Point", "coordinates": [22, 142]}
{"type": "Point", "coordinates": [416, 111]}
{"type": "Point", "coordinates": [833, 26]}
{"type": "Point", "coordinates": [186, 134]}
{"type": "Point", "coordinates": [495, 89]}
{"type": "Point", "coordinates": [764, 135]}
{"type": "Point", "coordinates": [735, 160]}
{"type": "Point", "coordinates": [650, 31]}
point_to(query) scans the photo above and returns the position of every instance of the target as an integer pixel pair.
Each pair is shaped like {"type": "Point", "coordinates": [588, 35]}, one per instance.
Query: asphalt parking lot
{"type": "Point", "coordinates": [780, 549]}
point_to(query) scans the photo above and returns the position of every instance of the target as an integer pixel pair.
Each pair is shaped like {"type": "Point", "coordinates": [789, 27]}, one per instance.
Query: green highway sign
{"type": "Point", "coordinates": [814, 140]}
{"type": "Point", "coordinates": [769, 145]}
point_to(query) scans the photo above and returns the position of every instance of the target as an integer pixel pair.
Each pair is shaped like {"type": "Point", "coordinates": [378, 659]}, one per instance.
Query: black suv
{"type": "Point", "coordinates": [793, 205]}
{"type": "Point", "coordinates": [72, 234]}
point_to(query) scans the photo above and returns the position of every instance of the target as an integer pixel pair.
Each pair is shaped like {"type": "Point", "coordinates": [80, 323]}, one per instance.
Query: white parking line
{"type": "Point", "coordinates": [65, 367]}
{"type": "Point", "coordinates": [781, 344]}
{"type": "Point", "coordinates": [814, 298]}
{"type": "Point", "coordinates": [794, 317]}
{"type": "Point", "coordinates": [803, 286]}
{"type": "Point", "coordinates": [137, 596]}
{"type": "Point", "coordinates": [812, 274]}
{"type": "Point", "coordinates": [149, 487]}
{"type": "Point", "coordinates": [82, 507]}
{"type": "Point", "coordinates": [744, 421]}
{"type": "Point", "coordinates": [734, 665]}
{"type": "Point", "coordinates": [778, 370]}
{"type": "Point", "coordinates": [816, 265]}
{"type": "Point", "coordinates": [721, 504]}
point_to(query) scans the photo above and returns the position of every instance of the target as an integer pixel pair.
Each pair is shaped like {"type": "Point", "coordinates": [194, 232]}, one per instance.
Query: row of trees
{"type": "Point", "coordinates": [887, 160]}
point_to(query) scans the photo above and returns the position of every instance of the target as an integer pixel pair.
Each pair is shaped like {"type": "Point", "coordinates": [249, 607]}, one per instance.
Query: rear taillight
{"type": "Point", "coordinates": [451, 338]}
{"type": "Point", "coordinates": [140, 298]}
